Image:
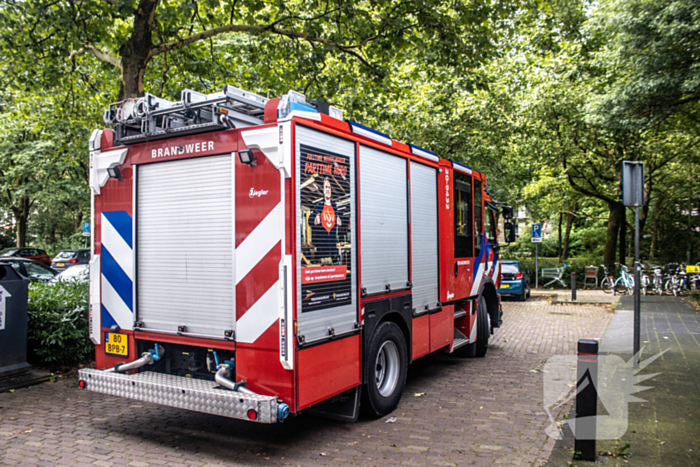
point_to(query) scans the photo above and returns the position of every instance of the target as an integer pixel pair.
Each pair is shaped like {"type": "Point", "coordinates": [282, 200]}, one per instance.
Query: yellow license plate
{"type": "Point", "coordinates": [505, 286]}
{"type": "Point", "coordinates": [60, 264]}
{"type": "Point", "coordinates": [117, 344]}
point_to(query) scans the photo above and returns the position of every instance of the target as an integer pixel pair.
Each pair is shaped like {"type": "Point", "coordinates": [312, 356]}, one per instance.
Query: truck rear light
{"type": "Point", "coordinates": [519, 275]}
{"type": "Point", "coordinates": [252, 414]}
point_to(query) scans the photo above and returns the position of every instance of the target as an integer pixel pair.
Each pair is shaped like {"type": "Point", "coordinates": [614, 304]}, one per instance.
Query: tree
{"type": "Point", "coordinates": [652, 53]}
{"type": "Point", "coordinates": [130, 35]}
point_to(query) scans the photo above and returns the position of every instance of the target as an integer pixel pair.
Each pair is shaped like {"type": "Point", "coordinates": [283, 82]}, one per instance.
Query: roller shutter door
{"type": "Point", "coordinates": [184, 245]}
{"type": "Point", "coordinates": [424, 237]}
{"type": "Point", "coordinates": [383, 221]}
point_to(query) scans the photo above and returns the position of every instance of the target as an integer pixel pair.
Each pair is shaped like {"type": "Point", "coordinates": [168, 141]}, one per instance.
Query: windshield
{"type": "Point", "coordinates": [65, 255]}
{"type": "Point", "coordinates": [509, 268]}
{"type": "Point", "coordinates": [9, 251]}
{"type": "Point", "coordinates": [38, 271]}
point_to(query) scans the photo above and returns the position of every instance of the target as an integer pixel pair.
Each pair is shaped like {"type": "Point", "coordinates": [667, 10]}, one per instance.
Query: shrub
{"type": "Point", "coordinates": [58, 324]}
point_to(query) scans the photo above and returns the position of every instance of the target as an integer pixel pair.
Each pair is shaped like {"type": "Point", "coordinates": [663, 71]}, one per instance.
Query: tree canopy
{"type": "Point", "coordinates": [547, 98]}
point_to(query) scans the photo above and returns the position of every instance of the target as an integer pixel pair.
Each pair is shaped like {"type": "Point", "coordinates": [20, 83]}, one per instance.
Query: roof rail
{"type": "Point", "coordinates": [151, 118]}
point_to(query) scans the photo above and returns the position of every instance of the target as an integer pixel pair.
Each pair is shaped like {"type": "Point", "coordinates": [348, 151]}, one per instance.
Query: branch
{"type": "Point", "coordinates": [181, 43]}
{"type": "Point", "coordinates": [104, 56]}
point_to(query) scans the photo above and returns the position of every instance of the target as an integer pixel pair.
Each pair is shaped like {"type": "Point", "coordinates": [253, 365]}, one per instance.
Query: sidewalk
{"type": "Point", "coordinates": [664, 430]}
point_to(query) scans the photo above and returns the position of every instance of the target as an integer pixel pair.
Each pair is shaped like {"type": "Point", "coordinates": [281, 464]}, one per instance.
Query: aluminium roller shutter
{"type": "Point", "coordinates": [424, 237]}
{"type": "Point", "coordinates": [184, 245]}
{"type": "Point", "coordinates": [383, 221]}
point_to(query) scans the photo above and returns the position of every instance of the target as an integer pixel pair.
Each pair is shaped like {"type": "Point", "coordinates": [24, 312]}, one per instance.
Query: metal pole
{"type": "Point", "coordinates": [573, 286]}
{"type": "Point", "coordinates": [637, 281]}
{"type": "Point", "coordinates": [537, 270]}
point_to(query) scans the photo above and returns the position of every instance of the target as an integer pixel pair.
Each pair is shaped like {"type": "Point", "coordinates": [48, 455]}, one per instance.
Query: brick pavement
{"type": "Point", "coordinates": [663, 430]}
{"type": "Point", "coordinates": [474, 412]}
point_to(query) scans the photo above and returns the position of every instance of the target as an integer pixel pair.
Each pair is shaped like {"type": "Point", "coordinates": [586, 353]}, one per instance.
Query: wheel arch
{"type": "Point", "coordinates": [493, 301]}
{"type": "Point", "coordinates": [397, 310]}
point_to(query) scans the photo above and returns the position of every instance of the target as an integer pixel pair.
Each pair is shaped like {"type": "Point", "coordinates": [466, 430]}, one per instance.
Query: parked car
{"type": "Point", "coordinates": [514, 280]}
{"type": "Point", "coordinates": [29, 269]}
{"type": "Point", "coordinates": [68, 258]}
{"type": "Point", "coordinates": [31, 253]}
{"type": "Point", "coordinates": [77, 273]}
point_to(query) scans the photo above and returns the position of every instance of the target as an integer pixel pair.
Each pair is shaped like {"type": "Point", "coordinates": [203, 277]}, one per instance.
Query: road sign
{"type": "Point", "coordinates": [632, 183]}
{"type": "Point", "coordinates": [536, 233]}
{"type": "Point", "coordinates": [86, 229]}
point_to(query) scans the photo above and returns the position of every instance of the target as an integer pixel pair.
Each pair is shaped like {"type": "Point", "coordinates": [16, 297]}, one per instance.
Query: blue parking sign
{"type": "Point", "coordinates": [536, 233]}
{"type": "Point", "coordinates": [86, 229]}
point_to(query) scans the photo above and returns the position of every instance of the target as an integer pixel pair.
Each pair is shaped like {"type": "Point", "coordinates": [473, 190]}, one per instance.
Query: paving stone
{"type": "Point", "coordinates": [475, 412]}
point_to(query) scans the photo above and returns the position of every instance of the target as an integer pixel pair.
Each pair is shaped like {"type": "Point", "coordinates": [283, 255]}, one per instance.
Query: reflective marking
{"type": "Point", "coordinates": [260, 316]}
{"type": "Point", "coordinates": [259, 242]}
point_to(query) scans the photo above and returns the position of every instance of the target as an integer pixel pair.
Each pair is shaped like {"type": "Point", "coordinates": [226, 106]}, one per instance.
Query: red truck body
{"type": "Point", "coordinates": [286, 266]}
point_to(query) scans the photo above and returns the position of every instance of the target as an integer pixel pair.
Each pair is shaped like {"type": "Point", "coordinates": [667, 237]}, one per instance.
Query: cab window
{"type": "Point", "coordinates": [490, 227]}
{"type": "Point", "coordinates": [478, 217]}
{"type": "Point", "coordinates": [463, 215]}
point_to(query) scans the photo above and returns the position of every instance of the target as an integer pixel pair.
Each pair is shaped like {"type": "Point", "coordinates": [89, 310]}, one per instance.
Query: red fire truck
{"type": "Point", "coordinates": [255, 257]}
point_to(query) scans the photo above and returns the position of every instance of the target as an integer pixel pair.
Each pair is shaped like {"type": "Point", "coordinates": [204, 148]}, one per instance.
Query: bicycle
{"type": "Point", "coordinates": [672, 283]}
{"type": "Point", "coordinates": [658, 280]}
{"type": "Point", "coordinates": [645, 279]}
{"type": "Point", "coordinates": [607, 283]}
{"type": "Point", "coordinates": [624, 283]}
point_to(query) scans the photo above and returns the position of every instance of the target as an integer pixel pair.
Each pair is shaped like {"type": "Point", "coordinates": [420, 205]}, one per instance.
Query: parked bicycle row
{"type": "Point", "coordinates": [670, 279]}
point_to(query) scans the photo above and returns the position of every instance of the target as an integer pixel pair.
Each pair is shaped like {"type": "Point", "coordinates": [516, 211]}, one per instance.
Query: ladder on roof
{"type": "Point", "coordinates": [151, 118]}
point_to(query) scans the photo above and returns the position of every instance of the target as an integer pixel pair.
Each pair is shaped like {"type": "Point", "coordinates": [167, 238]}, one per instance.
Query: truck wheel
{"type": "Point", "coordinates": [386, 369]}
{"type": "Point", "coordinates": [483, 328]}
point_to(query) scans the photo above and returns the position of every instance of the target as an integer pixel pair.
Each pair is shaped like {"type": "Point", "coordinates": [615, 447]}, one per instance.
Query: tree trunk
{"type": "Point", "coordinates": [614, 220]}
{"type": "Point", "coordinates": [623, 233]}
{"type": "Point", "coordinates": [655, 228]}
{"type": "Point", "coordinates": [21, 215]}
{"type": "Point", "coordinates": [135, 51]}
{"type": "Point", "coordinates": [559, 248]}
{"type": "Point", "coordinates": [567, 234]}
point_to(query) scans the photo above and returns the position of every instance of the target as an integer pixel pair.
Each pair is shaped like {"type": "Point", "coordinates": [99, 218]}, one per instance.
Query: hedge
{"type": "Point", "coordinates": [58, 324]}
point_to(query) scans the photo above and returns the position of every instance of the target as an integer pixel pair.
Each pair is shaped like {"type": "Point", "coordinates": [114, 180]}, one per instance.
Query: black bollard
{"type": "Point", "coordinates": [573, 286]}
{"type": "Point", "coordinates": [586, 399]}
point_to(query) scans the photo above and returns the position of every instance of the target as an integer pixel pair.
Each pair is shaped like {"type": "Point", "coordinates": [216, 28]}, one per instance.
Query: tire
{"type": "Point", "coordinates": [483, 328]}
{"type": "Point", "coordinates": [386, 368]}
{"type": "Point", "coordinates": [522, 297]}
{"type": "Point", "coordinates": [606, 286]}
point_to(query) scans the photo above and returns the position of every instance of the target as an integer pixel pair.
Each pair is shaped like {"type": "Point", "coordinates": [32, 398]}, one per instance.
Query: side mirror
{"type": "Point", "coordinates": [509, 231]}
{"type": "Point", "coordinates": [507, 212]}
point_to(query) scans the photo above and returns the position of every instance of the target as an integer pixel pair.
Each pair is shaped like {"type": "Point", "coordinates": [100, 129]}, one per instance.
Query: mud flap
{"type": "Point", "coordinates": [344, 407]}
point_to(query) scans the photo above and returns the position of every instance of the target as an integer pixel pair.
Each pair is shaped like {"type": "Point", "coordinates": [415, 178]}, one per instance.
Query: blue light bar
{"type": "Point", "coordinates": [418, 151]}
{"type": "Point", "coordinates": [461, 168]}
{"type": "Point", "coordinates": [369, 133]}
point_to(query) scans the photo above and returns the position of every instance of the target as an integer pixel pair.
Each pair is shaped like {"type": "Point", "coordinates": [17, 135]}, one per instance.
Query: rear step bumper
{"type": "Point", "coordinates": [184, 393]}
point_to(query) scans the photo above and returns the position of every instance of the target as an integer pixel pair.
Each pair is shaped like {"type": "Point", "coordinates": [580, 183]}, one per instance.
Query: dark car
{"type": "Point", "coordinates": [30, 269]}
{"type": "Point", "coordinates": [67, 258]}
{"type": "Point", "coordinates": [514, 280]}
{"type": "Point", "coordinates": [27, 252]}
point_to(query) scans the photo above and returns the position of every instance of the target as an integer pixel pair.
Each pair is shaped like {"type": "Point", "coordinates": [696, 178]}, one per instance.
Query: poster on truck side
{"type": "Point", "coordinates": [326, 250]}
